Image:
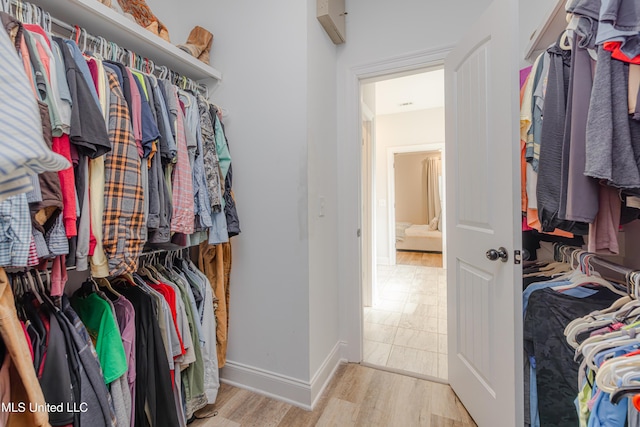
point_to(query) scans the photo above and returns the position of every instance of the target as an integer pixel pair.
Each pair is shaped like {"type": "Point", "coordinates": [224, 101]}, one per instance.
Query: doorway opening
{"type": "Point", "coordinates": [404, 298]}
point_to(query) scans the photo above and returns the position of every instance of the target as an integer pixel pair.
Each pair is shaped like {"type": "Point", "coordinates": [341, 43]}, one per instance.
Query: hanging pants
{"type": "Point", "coordinates": [215, 263]}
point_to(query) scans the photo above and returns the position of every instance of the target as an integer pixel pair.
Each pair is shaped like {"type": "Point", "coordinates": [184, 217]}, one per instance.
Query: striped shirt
{"type": "Point", "coordinates": [23, 149]}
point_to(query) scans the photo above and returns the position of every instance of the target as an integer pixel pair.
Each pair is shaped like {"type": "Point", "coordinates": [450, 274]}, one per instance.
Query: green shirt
{"type": "Point", "coordinates": [97, 316]}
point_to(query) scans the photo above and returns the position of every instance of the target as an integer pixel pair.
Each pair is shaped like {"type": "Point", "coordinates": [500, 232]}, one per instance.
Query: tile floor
{"type": "Point", "coordinates": [407, 328]}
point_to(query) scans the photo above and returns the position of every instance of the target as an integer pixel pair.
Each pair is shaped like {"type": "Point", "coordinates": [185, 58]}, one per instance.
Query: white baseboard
{"type": "Point", "coordinates": [303, 394]}
{"type": "Point", "coordinates": [384, 260]}
{"type": "Point", "coordinates": [327, 370]}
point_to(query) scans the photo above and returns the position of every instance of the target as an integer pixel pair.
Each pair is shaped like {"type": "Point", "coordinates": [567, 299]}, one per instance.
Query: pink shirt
{"type": "Point", "coordinates": [183, 217]}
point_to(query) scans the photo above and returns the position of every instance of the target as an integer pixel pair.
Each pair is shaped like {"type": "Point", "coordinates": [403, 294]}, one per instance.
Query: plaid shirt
{"type": "Point", "coordinates": [183, 218]}
{"type": "Point", "coordinates": [123, 220]}
{"type": "Point", "coordinates": [15, 231]}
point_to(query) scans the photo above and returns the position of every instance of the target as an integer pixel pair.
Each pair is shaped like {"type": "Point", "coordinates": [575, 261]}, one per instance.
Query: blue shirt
{"type": "Point", "coordinates": [15, 231]}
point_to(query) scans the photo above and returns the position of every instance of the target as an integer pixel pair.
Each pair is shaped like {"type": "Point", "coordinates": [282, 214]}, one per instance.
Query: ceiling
{"type": "Point", "coordinates": [410, 93]}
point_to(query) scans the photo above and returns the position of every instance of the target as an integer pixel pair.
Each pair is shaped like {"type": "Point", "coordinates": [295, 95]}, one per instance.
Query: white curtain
{"type": "Point", "coordinates": [432, 172]}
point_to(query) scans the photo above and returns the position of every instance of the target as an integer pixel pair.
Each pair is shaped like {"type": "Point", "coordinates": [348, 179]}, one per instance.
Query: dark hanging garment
{"type": "Point", "coordinates": [613, 137]}
{"type": "Point", "coordinates": [92, 388]}
{"type": "Point", "coordinates": [230, 210]}
{"type": "Point", "coordinates": [123, 79]}
{"type": "Point", "coordinates": [150, 132]}
{"type": "Point", "coordinates": [36, 330]}
{"type": "Point", "coordinates": [553, 165]}
{"type": "Point", "coordinates": [49, 181]}
{"type": "Point", "coordinates": [582, 192]}
{"type": "Point", "coordinates": [153, 379]}
{"type": "Point", "coordinates": [548, 313]}
{"type": "Point", "coordinates": [58, 374]}
{"type": "Point", "coordinates": [160, 230]}
{"type": "Point", "coordinates": [88, 131]}
{"type": "Point", "coordinates": [625, 15]}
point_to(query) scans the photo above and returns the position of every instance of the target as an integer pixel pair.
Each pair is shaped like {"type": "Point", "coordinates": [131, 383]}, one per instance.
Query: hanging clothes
{"type": "Point", "coordinates": [611, 135]}
{"type": "Point", "coordinates": [93, 389]}
{"type": "Point", "coordinates": [582, 191]}
{"type": "Point", "coordinates": [123, 216]}
{"type": "Point", "coordinates": [208, 336]}
{"type": "Point", "coordinates": [553, 297]}
{"type": "Point", "coordinates": [215, 263]}
{"type": "Point", "coordinates": [24, 383]}
{"type": "Point", "coordinates": [553, 150]}
{"type": "Point", "coordinates": [97, 316]}
{"type": "Point", "coordinates": [122, 160]}
{"type": "Point", "coordinates": [153, 382]}
{"type": "Point", "coordinates": [125, 315]}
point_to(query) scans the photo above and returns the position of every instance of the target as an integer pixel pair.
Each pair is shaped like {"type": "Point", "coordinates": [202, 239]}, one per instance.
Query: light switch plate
{"type": "Point", "coordinates": [331, 14]}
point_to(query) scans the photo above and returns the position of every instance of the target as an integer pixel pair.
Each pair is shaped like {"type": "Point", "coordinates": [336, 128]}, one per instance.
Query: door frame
{"type": "Point", "coordinates": [391, 192]}
{"type": "Point", "coordinates": [350, 189]}
{"type": "Point", "coordinates": [369, 294]}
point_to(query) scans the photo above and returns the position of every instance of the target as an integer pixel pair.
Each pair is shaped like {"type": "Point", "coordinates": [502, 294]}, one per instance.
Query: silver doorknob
{"type": "Point", "coordinates": [493, 254]}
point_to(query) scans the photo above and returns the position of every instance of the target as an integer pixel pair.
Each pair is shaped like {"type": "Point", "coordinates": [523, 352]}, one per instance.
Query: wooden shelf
{"type": "Point", "coordinates": [99, 20]}
{"type": "Point", "coordinates": [547, 33]}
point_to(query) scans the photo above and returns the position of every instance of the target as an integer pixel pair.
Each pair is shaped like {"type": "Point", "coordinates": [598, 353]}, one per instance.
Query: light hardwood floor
{"type": "Point", "coordinates": [357, 396]}
{"type": "Point", "coordinates": [425, 259]}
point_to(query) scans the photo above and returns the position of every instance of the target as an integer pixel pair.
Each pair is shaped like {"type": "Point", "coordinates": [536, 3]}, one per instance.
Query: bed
{"type": "Point", "coordinates": [418, 237]}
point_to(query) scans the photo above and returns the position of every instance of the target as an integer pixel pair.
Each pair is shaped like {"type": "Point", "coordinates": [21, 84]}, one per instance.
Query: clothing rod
{"type": "Point", "coordinates": [162, 251]}
{"type": "Point", "coordinates": [44, 16]}
{"type": "Point", "coordinates": [73, 267]}
{"type": "Point", "coordinates": [611, 271]}
{"type": "Point", "coordinates": [608, 270]}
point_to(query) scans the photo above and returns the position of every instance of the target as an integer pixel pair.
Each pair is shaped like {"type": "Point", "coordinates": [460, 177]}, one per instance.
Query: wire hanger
{"type": "Point", "coordinates": [26, 12]}
{"type": "Point", "coordinates": [103, 44]}
{"type": "Point", "coordinates": [32, 286]}
{"type": "Point", "coordinates": [102, 282]}
{"type": "Point", "coordinates": [19, 9]}
{"type": "Point", "coordinates": [17, 285]}
{"type": "Point", "coordinates": [120, 54]}
{"type": "Point", "coordinates": [146, 272]}
{"type": "Point", "coordinates": [46, 22]}
{"type": "Point", "coordinates": [45, 288]}
{"type": "Point", "coordinates": [36, 15]}
{"type": "Point", "coordinates": [38, 281]}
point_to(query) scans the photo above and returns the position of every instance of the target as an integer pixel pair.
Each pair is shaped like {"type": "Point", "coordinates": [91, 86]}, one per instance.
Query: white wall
{"type": "Point", "coordinates": [323, 189]}
{"type": "Point", "coordinates": [369, 96]}
{"type": "Point", "coordinates": [395, 130]}
{"type": "Point", "coordinates": [531, 15]}
{"type": "Point", "coordinates": [410, 188]}
{"type": "Point", "coordinates": [180, 20]}
{"type": "Point", "coordinates": [279, 87]}
{"type": "Point", "coordinates": [264, 89]}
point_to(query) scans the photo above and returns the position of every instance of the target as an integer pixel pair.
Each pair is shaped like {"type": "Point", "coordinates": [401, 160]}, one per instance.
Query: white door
{"type": "Point", "coordinates": [483, 190]}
